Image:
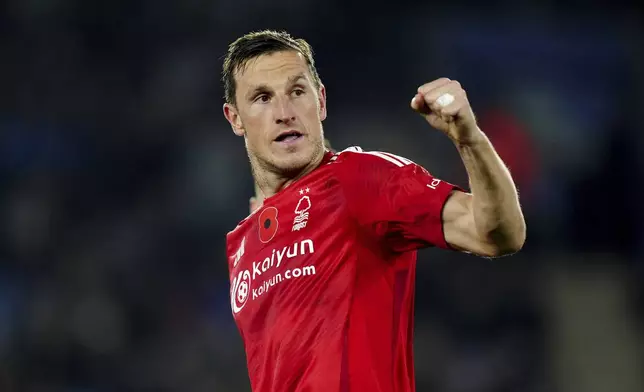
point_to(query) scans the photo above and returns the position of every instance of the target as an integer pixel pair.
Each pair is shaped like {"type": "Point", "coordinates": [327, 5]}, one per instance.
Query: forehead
{"type": "Point", "coordinates": [272, 68]}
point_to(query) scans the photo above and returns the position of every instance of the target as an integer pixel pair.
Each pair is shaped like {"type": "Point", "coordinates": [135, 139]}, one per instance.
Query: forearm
{"type": "Point", "coordinates": [495, 204]}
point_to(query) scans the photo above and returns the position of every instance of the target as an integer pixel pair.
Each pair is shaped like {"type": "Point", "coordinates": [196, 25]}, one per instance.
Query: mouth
{"type": "Point", "coordinates": [288, 137]}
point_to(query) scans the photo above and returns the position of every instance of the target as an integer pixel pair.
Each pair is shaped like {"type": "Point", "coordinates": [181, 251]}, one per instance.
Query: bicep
{"type": "Point", "coordinates": [459, 228]}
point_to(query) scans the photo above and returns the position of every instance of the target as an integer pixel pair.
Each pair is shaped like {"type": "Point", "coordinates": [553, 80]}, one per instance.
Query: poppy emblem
{"type": "Point", "coordinates": [268, 224]}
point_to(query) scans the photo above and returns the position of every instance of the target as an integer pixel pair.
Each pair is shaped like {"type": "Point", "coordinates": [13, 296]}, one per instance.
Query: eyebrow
{"type": "Point", "coordinates": [260, 88]}
{"type": "Point", "coordinates": [296, 78]}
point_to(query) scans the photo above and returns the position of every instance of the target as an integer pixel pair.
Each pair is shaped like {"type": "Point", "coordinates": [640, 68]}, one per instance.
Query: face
{"type": "Point", "coordinates": [279, 112]}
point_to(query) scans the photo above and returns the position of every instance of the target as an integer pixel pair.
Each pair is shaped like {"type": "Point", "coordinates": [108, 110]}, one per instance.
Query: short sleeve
{"type": "Point", "coordinates": [396, 200]}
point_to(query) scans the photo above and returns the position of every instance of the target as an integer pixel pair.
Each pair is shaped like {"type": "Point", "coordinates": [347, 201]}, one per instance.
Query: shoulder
{"type": "Point", "coordinates": [375, 166]}
{"type": "Point", "coordinates": [241, 225]}
{"type": "Point", "coordinates": [370, 173]}
{"type": "Point", "coordinates": [236, 242]}
{"type": "Point", "coordinates": [359, 158]}
{"type": "Point", "coordinates": [237, 235]}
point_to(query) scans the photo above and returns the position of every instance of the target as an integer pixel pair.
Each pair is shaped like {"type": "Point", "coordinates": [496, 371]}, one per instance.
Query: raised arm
{"type": "Point", "coordinates": [488, 221]}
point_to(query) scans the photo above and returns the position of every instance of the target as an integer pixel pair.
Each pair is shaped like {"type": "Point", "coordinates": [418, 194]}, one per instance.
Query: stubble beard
{"type": "Point", "coordinates": [260, 165]}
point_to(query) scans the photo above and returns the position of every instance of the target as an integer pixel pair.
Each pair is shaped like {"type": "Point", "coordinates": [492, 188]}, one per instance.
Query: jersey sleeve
{"type": "Point", "coordinates": [396, 200]}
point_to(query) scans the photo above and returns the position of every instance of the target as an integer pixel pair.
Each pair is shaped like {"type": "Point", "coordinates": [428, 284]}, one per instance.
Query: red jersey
{"type": "Point", "coordinates": [322, 275]}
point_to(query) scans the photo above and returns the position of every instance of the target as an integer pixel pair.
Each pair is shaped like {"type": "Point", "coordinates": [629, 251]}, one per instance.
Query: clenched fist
{"type": "Point", "coordinates": [444, 105]}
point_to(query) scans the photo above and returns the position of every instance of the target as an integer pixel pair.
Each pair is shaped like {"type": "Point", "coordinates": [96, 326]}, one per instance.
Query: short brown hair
{"type": "Point", "coordinates": [259, 43]}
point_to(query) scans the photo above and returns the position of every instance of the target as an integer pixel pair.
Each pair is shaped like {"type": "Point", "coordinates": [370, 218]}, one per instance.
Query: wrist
{"type": "Point", "coordinates": [471, 138]}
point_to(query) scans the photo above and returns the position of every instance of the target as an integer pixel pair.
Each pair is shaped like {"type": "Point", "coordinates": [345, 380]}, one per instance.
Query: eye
{"type": "Point", "coordinates": [263, 98]}
{"type": "Point", "coordinates": [298, 92]}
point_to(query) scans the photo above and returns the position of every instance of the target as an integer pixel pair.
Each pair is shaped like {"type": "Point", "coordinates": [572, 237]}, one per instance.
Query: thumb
{"type": "Point", "coordinates": [419, 105]}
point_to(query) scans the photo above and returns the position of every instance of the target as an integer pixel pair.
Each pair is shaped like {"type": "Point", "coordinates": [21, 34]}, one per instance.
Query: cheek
{"type": "Point", "coordinates": [257, 138]}
{"type": "Point", "coordinates": [310, 109]}
{"type": "Point", "coordinates": [256, 124]}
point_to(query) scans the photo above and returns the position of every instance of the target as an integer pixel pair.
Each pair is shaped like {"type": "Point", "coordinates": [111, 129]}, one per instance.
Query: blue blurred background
{"type": "Point", "coordinates": [120, 177]}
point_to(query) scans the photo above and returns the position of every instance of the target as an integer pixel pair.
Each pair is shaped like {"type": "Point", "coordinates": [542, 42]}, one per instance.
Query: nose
{"type": "Point", "coordinates": [285, 113]}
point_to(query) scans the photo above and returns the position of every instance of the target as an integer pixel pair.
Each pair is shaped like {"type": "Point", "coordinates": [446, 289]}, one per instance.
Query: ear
{"type": "Point", "coordinates": [231, 114]}
{"type": "Point", "coordinates": [322, 102]}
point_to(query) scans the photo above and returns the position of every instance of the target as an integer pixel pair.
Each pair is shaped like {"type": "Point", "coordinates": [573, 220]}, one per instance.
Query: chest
{"type": "Point", "coordinates": [288, 251]}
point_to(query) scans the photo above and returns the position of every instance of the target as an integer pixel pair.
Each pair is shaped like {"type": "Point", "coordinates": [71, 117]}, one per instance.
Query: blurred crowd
{"type": "Point", "coordinates": [120, 178]}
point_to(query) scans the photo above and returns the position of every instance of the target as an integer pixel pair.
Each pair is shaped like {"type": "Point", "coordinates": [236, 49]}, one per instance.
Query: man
{"type": "Point", "coordinates": [322, 273]}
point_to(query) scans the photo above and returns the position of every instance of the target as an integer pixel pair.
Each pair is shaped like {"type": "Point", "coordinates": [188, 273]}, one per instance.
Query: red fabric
{"type": "Point", "coordinates": [326, 304]}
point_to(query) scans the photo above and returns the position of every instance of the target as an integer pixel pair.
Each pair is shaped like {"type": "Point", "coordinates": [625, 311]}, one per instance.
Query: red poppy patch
{"type": "Point", "coordinates": [267, 224]}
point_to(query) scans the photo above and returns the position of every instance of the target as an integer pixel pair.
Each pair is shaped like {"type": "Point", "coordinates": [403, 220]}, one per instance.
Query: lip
{"type": "Point", "coordinates": [287, 132]}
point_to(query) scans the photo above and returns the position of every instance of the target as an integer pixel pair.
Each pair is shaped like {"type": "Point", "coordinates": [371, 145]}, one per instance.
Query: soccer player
{"type": "Point", "coordinates": [322, 273]}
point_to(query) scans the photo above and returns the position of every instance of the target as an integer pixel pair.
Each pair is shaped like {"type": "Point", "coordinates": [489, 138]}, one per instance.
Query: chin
{"type": "Point", "coordinates": [294, 164]}
{"type": "Point", "coordinates": [296, 161]}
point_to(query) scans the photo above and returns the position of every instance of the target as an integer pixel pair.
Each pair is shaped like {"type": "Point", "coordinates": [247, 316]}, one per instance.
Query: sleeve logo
{"type": "Point", "coordinates": [434, 184]}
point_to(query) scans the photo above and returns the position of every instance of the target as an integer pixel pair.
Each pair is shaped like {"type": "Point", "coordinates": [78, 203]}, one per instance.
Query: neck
{"type": "Point", "coordinates": [271, 182]}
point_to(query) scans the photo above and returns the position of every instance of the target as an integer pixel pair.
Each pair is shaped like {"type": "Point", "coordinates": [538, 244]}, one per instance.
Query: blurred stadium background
{"type": "Point", "coordinates": [120, 177]}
